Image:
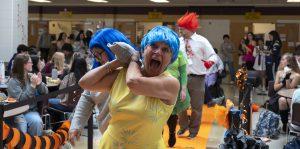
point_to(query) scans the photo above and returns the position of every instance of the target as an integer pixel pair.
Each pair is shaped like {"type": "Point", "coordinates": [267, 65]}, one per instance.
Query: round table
{"type": "Point", "coordinates": [286, 92]}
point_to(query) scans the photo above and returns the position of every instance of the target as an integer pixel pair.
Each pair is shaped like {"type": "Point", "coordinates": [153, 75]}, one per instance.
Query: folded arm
{"type": "Point", "coordinates": [102, 78]}
{"type": "Point", "coordinates": [165, 88]}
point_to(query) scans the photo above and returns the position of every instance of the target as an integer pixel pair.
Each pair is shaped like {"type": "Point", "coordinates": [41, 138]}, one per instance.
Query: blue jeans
{"type": "Point", "coordinates": [55, 103]}
{"type": "Point", "coordinates": [231, 69]}
{"type": "Point", "coordinates": [55, 115]}
{"type": "Point", "coordinates": [29, 122]}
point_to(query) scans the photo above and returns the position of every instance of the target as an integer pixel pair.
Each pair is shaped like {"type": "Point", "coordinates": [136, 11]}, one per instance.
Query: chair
{"type": "Point", "coordinates": [294, 125]}
{"type": "Point", "coordinates": [73, 99]}
{"type": "Point", "coordinates": [42, 109]}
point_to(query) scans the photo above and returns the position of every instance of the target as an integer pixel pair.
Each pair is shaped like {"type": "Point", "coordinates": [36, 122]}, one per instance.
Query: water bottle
{"type": "Point", "coordinates": [54, 73]}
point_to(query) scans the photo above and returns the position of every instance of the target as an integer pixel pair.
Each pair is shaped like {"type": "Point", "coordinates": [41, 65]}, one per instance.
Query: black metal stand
{"type": "Point", "coordinates": [1, 125]}
{"type": "Point", "coordinates": [90, 132]}
{"type": "Point", "coordinates": [245, 106]}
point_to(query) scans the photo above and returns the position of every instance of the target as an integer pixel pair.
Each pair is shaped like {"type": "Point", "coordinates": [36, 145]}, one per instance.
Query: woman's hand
{"type": "Point", "coordinates": [34, 80]}
{"type": "Point", "coordinates": [183, 94]}
{"type": "Point", "coordinates": [123, 51]}
{"type": "Point", "coordinates": [39, 78]}
{"type": "Point", "coordinates": [74, 134]}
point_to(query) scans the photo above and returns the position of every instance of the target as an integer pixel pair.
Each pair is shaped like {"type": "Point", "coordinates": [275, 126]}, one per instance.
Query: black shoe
{"type": "Point", "coordinates": [172, 139]}
{"type": "Point", "coordinates": [180, 132]}
{"type": "Point", "coordinates": [192, 135]}
{"type": "Point", "coordinates": [284, 127]}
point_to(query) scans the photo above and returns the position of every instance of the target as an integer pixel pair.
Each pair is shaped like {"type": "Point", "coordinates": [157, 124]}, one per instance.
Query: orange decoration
{"type": "Point", "coordinates": [16, 137]}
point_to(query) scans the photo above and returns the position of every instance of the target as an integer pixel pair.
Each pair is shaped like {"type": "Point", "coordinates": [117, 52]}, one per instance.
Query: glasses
{"type": "Point", "coordinates": [97, 55]}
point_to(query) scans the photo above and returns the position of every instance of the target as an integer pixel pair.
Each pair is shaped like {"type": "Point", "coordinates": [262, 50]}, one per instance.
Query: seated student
{"type": "Point", "coordinates": [297, 55]}
{"type": "Point", "coordinates": [295, 99]}
{"type": "Point", "coordinates": [78, 69]}
{"type": "Point", "coordinates": [37, 66]}
{"type": "Point", "coordinates": [22, 86]}
{"type": "Point", "coordinates": [287, 77]}
{"type": "Point", "coordinates": [68, 51]}
{"type": "Point", "coordinates": [21, 49]}
{"type": "Point", "coordinates": [57, 62]}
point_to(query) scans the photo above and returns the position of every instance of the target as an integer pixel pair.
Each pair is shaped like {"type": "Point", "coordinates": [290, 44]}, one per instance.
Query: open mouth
{"type": "Point", "coordinates": [155, 64]}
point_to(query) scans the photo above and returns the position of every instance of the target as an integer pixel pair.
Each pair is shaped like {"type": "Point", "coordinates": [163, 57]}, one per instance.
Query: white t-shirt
{"type": "Point", "coordinates": [201, 50]}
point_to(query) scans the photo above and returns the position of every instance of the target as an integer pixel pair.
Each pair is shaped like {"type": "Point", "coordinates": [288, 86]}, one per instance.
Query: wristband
{"type": "Point", "coordinates": [137, 61]}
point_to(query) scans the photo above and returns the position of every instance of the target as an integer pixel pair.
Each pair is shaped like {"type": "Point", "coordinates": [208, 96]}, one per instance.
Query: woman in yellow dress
{"type": "Point", "coordinates": [142, 98]}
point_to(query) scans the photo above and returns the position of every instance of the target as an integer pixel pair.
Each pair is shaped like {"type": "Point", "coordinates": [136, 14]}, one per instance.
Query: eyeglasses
{"type": "Point", "coordinates": [97, 55]}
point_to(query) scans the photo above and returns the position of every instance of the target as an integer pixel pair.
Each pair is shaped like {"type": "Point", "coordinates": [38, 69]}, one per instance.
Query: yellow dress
{"type": "Point", "coordinates": [137, 121]}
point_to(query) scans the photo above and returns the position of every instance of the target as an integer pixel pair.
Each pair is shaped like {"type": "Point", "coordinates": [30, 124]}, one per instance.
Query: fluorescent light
{"type": "Point", "coordinates": [98, 1]}
{"type": "Point", "coordinates": [160, 1]}
{"type": "Point", "coordinates": [41, 1]}
{"type": "Point", "coordinates": [293, 1]}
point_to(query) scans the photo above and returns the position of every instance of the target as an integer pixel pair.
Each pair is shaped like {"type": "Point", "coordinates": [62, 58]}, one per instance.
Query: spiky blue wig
{"type": "Point", "coordinates": [104, 36]}
{"type": "Point", "coordinates": [162, 34]}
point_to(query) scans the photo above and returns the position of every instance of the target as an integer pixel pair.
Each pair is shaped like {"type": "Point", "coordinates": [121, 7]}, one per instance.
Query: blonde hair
{"type": "Point", "coordinates": [291, 61]}
{"type": "Point", "coordinates": [58, 59]}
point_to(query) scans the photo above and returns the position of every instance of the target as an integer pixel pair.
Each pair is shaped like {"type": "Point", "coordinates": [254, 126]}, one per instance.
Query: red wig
{"type": "Point", "coordinates": [189, 21]}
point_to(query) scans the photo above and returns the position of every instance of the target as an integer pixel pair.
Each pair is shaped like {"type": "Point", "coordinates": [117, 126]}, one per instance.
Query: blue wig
{"type": "Point", "coordinates": [104, 36]}
{"type": "Point", "coordinates": [162, 34]}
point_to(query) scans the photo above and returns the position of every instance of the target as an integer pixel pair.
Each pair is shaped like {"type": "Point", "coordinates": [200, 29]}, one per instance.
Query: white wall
{"type": "Point", "coordinates": [214, 30]}
{"type": "Point", "coordinates": [13, 26]}
{"type": "Point", "coordinates": [56, 27]}
{"type": "Point", "coordinates": [263, 28]}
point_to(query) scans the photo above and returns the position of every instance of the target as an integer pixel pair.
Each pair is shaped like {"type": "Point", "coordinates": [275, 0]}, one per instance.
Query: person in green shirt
{"type": "Point", "coordinates": [178, 70]}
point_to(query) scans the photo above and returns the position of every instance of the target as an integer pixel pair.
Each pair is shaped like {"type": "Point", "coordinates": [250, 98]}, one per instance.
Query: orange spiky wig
{"type": "Point", "coordinates": [189, 21]}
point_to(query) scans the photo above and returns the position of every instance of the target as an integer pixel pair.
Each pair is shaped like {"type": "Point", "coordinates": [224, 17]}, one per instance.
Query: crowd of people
{"type": "Point", "coordinates": [139, 90]}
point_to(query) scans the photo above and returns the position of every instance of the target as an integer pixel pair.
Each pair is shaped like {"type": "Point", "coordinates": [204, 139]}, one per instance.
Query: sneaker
{"type": "Point", "coordinates": [231, 82]}
{"type": "Point", "coordinates": [172, 139]}
{"type": "Point", "coordinates": [192, 135]}
{"type": "Point", "coordinates": [180, 132]}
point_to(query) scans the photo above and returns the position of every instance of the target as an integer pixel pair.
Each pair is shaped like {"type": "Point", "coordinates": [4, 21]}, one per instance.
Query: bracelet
{"type": "Point", "coordinates": [137, 62]}
{"type": "Point", "coordinates": [108, 68]}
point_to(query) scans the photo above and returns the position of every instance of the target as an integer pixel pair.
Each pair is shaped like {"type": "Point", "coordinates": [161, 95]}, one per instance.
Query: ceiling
{"type": "Point", "coordinates": [186, 3]}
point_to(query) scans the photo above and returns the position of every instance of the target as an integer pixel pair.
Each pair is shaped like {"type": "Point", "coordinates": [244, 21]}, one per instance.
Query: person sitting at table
{"type": "Point", "coordinates": [23, 86]}
{"type": "Point", "coordinates": [287, 77]}
{"type": "Point", "coordinates": [102, 54]}
{"type": "Point", "coordinates": [20, 49]}
{"type": "Point", "coordinates": [37, 66]}
{"type": "Point", "coordinates": [78, 69]}
{"type": "Point", "coordinates": [57, 62]}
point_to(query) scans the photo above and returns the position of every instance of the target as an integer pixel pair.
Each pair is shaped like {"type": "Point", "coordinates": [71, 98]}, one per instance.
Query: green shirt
{"type": "Point", "coordinates": [179, 70]}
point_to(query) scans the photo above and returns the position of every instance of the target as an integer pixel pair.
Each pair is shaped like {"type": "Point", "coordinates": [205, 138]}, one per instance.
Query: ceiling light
{"type": "Point", "coordinates": [293, 1]}
{"type": "Point", "coordinates": [160, 1]}
{"type": "Point", "coordinates": [98, 1]}
{"type": "Point", "coordinates": [41, 1]}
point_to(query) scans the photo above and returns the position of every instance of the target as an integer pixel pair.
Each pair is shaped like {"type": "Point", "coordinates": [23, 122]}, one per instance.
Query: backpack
{"type": "Point", "coordinates": [267, 125]}
{"type": "Point", "coordinates": [294, 144]}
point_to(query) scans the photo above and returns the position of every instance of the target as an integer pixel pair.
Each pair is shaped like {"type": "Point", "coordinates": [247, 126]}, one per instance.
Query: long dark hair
{"type": "Point", "coordinates": [247, 41]}
{"type": "Point", "coordinates": [275, 36]}
{"type": "Point", "coordinates": [78, 36]}
{"type": "Point", "coordinates": [35, 61]}
{"type": "Point", "coordinates": [60, 36]}
{"type": "Point", "coordinates": [18, 71]}
{"type": "Point", "coordinates": [79, 67]}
